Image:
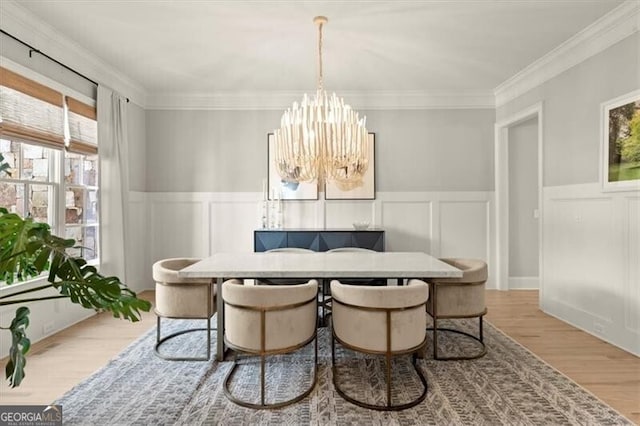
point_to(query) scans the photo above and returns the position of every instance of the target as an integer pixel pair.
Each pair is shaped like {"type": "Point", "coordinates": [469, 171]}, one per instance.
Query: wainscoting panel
{"type": "Point", "coordinates": [407, 225]}
{"type": "Point", "coordinates": [590, 278]}
{"type": "Point", "coordinates": [198, 224]}
{"type": "Point", "coordinates": [464, 229]}
{"type": "Point", "coordinates": [138, 269]}
{"type": "Point", "coordinates": [179, 229]}
{"type": "Point", "coordinates": [231, 226]}
{"type": "Point", "coordinates": [632, 287]}
{"type": "Point", "coordinates": [342, 214]}
{"type": "Point", "coordinates": [301, 214]}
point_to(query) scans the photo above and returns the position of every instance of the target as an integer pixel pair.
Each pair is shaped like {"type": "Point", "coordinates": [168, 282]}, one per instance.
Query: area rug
{"type": "Point", "coordinates": [509, 386]}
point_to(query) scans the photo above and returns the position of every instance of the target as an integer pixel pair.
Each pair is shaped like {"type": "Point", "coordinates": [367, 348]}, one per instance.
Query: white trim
{"type": "Point", "coordinates": [616, 25]}
{"type": "Point", "coordinates": [605, 107]}
{"type": "Point", "coordinates": [402, 100]}
{"type": "Point", "coordinates": [524, 283]}
{"type": "Point", "coordinates": [501, 152]}
{"type": "Point", "coordinates": [20, 22]}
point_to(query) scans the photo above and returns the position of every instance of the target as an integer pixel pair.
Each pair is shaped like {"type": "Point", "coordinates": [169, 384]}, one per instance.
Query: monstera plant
{"type": "Point", "coordinates": [28, 249]}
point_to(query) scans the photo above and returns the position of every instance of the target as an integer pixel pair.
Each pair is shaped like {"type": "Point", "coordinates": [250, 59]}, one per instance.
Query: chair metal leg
{"type": "Point", "coordinates": [388, 406]}
{"type": "Point", "coordinates": [161, 340]}
{"type": "Point", "coordinates": [263, 404]}
{"type": "Point", "coordinates": [479, 339]}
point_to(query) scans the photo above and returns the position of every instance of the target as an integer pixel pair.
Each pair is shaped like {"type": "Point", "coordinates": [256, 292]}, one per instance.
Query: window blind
{"type": "Point", "coordinates": [30, 110]}
{"type": "Point", "coordinates": [83, 127]}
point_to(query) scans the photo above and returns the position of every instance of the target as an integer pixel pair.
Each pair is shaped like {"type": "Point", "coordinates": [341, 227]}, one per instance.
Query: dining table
{"type": "Point", "coordinates": [315, 265]}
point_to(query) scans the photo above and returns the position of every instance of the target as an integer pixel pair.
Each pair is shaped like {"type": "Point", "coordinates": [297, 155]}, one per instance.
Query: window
{"type": "Point", "coordinates": [30, 190]}
{"type": "Point", "coordinates": [49, 141]}
{"type": "Point", "coordinates": [81, 202]}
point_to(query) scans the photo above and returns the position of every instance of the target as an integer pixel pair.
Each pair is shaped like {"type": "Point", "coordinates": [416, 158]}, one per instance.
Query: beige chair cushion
{"type": "Point", "coordinates": [178, 297]}
{"type": "Point", "coordinates": [283, 329]}
{"type": "Point", "coordinates": [462, 296]}
{"type": "Point", "coordinates": [367, 329]}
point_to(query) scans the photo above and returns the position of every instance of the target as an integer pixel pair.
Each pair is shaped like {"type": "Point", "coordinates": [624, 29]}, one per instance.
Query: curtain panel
{"type": "Point", "coordinates": [114, 181]}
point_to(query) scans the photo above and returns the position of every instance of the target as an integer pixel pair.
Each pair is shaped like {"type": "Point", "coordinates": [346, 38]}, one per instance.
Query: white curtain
{"type": "Point", "coordinates": [114, 182]}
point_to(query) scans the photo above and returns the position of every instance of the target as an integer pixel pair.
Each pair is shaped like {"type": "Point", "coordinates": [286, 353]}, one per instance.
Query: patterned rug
{"type": "Point", "coordinates": [509, 386]}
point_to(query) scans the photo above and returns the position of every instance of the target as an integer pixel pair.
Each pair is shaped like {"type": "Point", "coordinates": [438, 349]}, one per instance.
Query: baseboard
{"type": "Point", "coordinates": [524, 283]}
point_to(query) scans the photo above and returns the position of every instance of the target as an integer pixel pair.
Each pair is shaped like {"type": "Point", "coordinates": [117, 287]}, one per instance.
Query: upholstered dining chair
{"type": "Point", "coordinates": [387, 321]}
{"type": "Point", "coordinates": [456, 298]}
{"type": "Point", "coordinates": [284, 281]}
{"type": "Point", "coordinates": [269, 320]}
{"type": "Point", "coordinates": [179, 298]}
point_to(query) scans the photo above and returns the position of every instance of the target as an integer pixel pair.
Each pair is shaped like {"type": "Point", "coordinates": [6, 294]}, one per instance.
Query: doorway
{"type": "Point", "coordinates": [519, 207]}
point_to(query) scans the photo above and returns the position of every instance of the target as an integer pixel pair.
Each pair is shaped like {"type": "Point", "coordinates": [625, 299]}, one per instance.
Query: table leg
{"type": "Point", "coordinates": [220, 325]}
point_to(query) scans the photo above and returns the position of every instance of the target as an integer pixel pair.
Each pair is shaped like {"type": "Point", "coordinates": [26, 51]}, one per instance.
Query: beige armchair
{"type": "Point", "coordinates": [462, 297]}
{"type": "Point", "coordinates": [269, 320]}
{"type": "Point", "coordinates": [285, 281]}
{"type": "Point", "coordinates": [178, 298]}
{"type": "Point", "coordinates": [387, 321]}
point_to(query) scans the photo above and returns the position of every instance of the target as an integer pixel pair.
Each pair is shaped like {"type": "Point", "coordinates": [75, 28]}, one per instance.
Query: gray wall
{"type": "Point", "coordinates": [416, 150]}
{"type": "Point", "coordinates": [572, 110]}
{"type": "Point", "coordinates": [137, 133]}
{"type": "Point", "coordinates": [19, 53]}
{"type": "Point", "coordinates": [523, 199]}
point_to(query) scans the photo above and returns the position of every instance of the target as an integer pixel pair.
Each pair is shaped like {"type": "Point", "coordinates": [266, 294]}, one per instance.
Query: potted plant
{"type": "Point", "coordinates": [27, 249]}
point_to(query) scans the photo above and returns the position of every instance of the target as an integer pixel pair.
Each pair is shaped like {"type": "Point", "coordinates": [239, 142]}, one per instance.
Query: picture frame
{"type": "Point", "coordinates": [285, 190]}
{"type": "Point", "coordinates": [620, 143]}
{"type": "Point", "coordinates": [365, 192]}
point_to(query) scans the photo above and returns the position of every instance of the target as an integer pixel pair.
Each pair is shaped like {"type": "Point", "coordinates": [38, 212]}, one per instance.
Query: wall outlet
{"type": "Point", "coordinates": [598, 327]}
{"type": "Point", "coordinates": [48, 328]}
{"type": "Point", "coordinates": [536, 214]}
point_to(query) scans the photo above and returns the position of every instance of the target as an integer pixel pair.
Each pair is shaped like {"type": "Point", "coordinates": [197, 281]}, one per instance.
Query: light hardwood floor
{"type": "Point", "coordinates": [59, 362]}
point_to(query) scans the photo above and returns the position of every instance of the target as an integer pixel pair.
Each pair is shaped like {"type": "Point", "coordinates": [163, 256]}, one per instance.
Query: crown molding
{"type": "Point", "coordinates": [21, 23]}
{"type": "Point", "coordinates": [616, 25]}
{"type": "Point", "coordinates": [406, 100]}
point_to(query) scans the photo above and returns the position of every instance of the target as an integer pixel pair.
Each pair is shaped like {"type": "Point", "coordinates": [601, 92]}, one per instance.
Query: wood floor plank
{"type": "Point", "coordinates": [61, 361]}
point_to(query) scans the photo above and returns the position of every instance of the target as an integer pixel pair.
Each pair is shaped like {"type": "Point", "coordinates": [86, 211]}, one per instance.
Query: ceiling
{"type": "Point", "coordinates": [203, 46]}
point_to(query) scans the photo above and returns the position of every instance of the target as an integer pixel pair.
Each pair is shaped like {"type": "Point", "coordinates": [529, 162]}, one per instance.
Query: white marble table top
{"type": "Point", "coordinates": [320, 265]}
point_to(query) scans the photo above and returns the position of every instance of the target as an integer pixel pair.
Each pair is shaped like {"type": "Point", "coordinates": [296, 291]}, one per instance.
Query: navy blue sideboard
{"type": "Point", "coordinates": [318, 239]}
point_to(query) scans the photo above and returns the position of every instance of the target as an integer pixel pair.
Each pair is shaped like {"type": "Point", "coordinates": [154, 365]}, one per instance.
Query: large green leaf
{"type": "Point", "coordinates": [27, 249]}
{"type": "Point", "coordinates": [20, 345]}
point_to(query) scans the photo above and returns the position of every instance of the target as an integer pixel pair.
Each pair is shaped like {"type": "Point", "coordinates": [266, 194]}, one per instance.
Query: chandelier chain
{"type": "Point", "coordinates": [320, 77]}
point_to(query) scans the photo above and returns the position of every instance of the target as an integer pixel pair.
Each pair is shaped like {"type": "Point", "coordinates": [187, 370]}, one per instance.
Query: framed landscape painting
{"type": "Point", "coordinates": [286, 190]}
{"type": "Point", "coordinates": [368, 189]}
{"type": "Point", "coordinates": [620, 146]}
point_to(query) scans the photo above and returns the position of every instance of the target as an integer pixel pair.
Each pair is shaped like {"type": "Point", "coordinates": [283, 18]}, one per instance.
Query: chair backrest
{"type": "Point", "coordinates": [362, 315]}
{"type": "Point", "coordinates": [178, 297]}
{"type": "Point", "coordinates": [350, 250]}
{"type": "Point", "coordinates": [463, 296]}
{"type": "Point", "coordinates": [166, 270]}
{"type": "Point", "coordinates": [287, 313]}
{"type": "Point", "coordinates": [473, 270]}
{"type": "Point", "coordinates": [290, 250]}
{"type": "Point", "coordinates": [285, 281]}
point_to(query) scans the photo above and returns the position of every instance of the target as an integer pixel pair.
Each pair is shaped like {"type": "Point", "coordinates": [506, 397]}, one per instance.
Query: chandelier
{"type": "Point", "coordinates": [322, 138]}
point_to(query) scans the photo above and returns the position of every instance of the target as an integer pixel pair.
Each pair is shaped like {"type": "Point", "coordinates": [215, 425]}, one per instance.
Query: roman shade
{"type": "Point", "coordinates": [30, 111]}
{"type": "Point", "coordinates": [83, 127]}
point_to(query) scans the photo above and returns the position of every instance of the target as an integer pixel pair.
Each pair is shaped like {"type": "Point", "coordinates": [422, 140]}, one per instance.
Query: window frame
{"type": "Point", "coordinates": [56, 212]}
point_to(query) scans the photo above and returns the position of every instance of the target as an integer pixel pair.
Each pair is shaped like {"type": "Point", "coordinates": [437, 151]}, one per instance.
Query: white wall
{"type": "Point", "coordinates": [590, 238]}
{"type": "Point", "coordinates": [523, 201]}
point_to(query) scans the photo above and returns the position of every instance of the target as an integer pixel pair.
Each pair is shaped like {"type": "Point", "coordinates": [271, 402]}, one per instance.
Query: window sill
{"type": "Point", "coordinates": [6, 290]}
